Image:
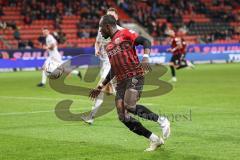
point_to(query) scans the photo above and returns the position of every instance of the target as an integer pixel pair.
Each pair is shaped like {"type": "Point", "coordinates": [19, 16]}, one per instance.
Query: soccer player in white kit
{"type": "Point", "coordinates": [54, 56]}
{"type": "Point", "coordinates": [105, 66]}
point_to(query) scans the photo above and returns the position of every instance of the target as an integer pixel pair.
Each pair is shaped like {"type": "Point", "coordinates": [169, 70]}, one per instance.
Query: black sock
{"type": "Point", "coordinates": [79, 75]}
{"type": "Point", "coordinates": [136, 127]}
{"type": "Point", "coordinates": [173, 71]}
{"type": "Point", "coordinates": [145, 113]}
{"type": "Point", "coordinates": [182, 66]}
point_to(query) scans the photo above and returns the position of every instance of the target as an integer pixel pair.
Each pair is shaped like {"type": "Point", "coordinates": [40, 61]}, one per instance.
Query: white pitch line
{"type": "Point", "coordinates": [150, 104]}
{"type": "Point", "coordinates": [23, 113]}
{"type": "Point", "coordinates": [35, 98]}
{"type": "Point", "coordinates": [43, 99]}
{"type": "Point", "coordinates": [32, 112]}
{"type": "Point", "coordinates": [40, 98]}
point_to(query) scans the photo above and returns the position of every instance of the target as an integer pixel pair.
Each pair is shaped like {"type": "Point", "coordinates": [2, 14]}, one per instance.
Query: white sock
{"type": "Point", "coordinates": [75, 72]}
{"type": "Point", "coordinates": [153, 137]}
{"type": "Point", "coordinates": [44, 78]}
{"type": "Point", "coordinates": [98, 102]}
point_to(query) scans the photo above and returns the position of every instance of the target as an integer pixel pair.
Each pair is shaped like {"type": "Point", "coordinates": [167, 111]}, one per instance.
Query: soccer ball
{"type": "Point", "coordinates": [53, 69]}
{"type": "Point", "coordinates": [56, 73]}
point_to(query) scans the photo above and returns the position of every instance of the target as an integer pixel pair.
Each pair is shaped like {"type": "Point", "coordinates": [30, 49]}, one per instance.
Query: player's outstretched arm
{"type": "Point", "coordinates": [147, 49]}
{"type": "Point", "coordinates": [49, 47]}
{"type": "Point", "coordinates": [96, 91]}
{"type": "Point", "coordinates": [97, 50]}
{"type": "Point", "coordinates": [97, 44]}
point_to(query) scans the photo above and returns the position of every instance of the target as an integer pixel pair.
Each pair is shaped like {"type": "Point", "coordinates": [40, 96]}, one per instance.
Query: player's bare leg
{"type": "Point", "coordinates": [43, 81]}
{"type": "Point", "coordinates": [97, 104]}
{"type": "Point", "coordinates": [130, 99]}
{"type": "Point", "coordinates": [108, 89]}
{"type": "Point", "coordinates": [44, 76]}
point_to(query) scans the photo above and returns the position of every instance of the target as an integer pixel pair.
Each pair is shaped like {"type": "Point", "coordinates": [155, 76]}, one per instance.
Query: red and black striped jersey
{"type": "Point", "coordinates": [180, 43]}
{"type": "Point", "coordinates": [123, 56]}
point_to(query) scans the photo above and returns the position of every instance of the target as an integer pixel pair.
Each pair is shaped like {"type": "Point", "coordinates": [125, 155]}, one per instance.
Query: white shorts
{"type": "Point", "coordinates": [52, 63]}
{"type": "Point", "coordinates": [105, 68]}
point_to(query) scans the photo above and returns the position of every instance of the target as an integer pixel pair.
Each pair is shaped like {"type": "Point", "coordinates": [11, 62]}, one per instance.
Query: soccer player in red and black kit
{"type": "Point", "coordinates": [129, 73]}
{"type": "Point", "coordinates": [178, 49]}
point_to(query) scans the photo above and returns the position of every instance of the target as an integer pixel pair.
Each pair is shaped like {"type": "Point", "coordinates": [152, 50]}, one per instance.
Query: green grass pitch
{"type": "Point", "coordinates": [30, 130]}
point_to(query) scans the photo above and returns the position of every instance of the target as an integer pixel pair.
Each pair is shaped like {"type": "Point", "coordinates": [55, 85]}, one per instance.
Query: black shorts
{"type": "Point", "coordinates": [177, 59]}
{"type": "Point", "coordinates": [134, 82]}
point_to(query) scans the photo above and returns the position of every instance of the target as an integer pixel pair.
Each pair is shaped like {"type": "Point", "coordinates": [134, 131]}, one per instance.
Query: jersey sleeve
{"type": "Point", "coordinates": [99, 35]}
{"type": "Point", "coordinates": [97, 42]}
{"type": "Point", "coordinates": [119, 27]}
{"type": "Point", "coordinates": [132, 35]}
{"type": "Point", "coordinates": [50, 41]}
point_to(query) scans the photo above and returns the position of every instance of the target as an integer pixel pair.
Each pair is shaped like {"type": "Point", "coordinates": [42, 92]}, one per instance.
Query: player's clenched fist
{"type": "Point", "coordinates": [145, 64]}
{"type": "Point", "coordinates": [95, 92]}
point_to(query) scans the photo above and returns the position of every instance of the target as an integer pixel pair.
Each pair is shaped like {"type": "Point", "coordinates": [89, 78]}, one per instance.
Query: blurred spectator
{"type": "Point", "coordinates": [228, 17]}
{"type": "Point", "coordinates": [81, 23]}
{"type": "Point", "coordinates": [57, 22]}
{"type": "Point", "coordinates": [202, 40]}
{"type": "Point", "coordinates": [3, 25]}
{"type": "Point", "coordinates": [68, 11]}
{"type": "Point", "coordinates": [27, 20]}
{"type": "Point", "coordinates": [93, 34]}
{"type": "Point", "coordinates": [29, 45]}
{"type": "Point", "coordinates": [216, 2]}
{"type": "Point", "coordinates": [21, 44]}
{"type": "Point", "coordinates": [83, 34]}
{"type": "Point", "coordinates": [12, 25]}
{"type": "Point", "coordinates": [1, 11]}
{"type": "Point", "coordinates": [155, 15]}
{"type": "Point", "coordinates": [12, 3]}
{"type": "Point", "coordinates": [79, 34]}
{"type": "Point", "coordinates": [42, 39]}
{"type": "Point", "coordinates": [237, 30]}
{"type": "Point", "coordinates": [237, 16]}
{"type": "Point", "coordinates": [190, 23]}
{"type": "Point", "coordinates": [16, 34]}
{"type": "Point", "coordinates": [69, 45]}
{"type": "Point", "coordinates": [62, 37]}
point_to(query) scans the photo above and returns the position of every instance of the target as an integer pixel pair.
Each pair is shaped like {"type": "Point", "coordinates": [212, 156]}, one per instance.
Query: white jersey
{"type": "Point", "coordinates": [102, 44]}
{"type": "Point", "coordinates": [55, 59]}
{"type": "Point", "coordinates": [50, 40]}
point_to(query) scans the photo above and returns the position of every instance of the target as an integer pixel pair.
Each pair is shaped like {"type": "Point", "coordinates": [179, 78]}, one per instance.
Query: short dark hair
{"type": "Point", "coordinates": [111, 9]}
{"type": "Point", "coordinates": [45, 28]}
{"type": "Point", "coordinates": [109, 19]}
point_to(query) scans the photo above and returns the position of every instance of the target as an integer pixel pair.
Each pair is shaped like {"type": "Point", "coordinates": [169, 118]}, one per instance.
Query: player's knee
{"type": "Point", "coordinates": [124, 118]}
{"type": "Point", "coordinates": [56, 73]}
{"type": "Point", "coordinates": [130, 99]}
{"type": "Point", "coordinates": [121, 118]}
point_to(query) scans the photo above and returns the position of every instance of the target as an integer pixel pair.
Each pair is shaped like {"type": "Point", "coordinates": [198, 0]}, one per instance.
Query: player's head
{"type": "Point", "coordinates": [171, 33]}
{"type": "Point", "coordinates": [113, 12]}
{"type": "Point", "coordinates": [107, 25]}
{"type": "Point", "coordinates": [45, 31]}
